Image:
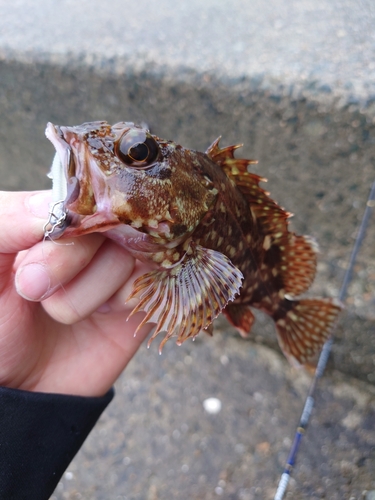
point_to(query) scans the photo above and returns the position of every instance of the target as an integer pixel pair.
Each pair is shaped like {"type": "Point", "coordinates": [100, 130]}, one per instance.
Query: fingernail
{"type": "Point", "coordinates": [38, 204]}
{"type": "Point", "coordinates": [33, 282]}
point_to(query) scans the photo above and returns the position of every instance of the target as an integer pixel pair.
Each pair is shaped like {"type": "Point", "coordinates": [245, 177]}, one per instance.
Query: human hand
{"type": "Point", "coordinates": [63, 325]}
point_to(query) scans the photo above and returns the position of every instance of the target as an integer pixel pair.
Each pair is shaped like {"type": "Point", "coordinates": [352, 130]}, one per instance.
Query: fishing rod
{"type": "Point", "coordinates": [324, 355]}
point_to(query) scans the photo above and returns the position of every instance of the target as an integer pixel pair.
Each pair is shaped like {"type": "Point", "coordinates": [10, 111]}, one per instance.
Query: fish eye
{"type": "Point", "coordinates": [137, 148]}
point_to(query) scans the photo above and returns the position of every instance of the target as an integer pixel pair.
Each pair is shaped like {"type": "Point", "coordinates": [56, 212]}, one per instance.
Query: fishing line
{"type": "Point", "coordinates": [324, 355]}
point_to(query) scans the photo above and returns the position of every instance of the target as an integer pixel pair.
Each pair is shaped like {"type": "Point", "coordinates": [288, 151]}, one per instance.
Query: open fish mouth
{"type": "Point", "coordinates": [78, 186]}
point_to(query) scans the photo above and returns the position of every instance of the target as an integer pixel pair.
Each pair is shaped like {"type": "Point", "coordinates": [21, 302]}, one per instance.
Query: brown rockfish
{"type": "Point", "coordinates": [219, 243]}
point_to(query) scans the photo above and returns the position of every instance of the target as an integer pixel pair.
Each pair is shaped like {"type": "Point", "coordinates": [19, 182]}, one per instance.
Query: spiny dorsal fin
{"type": "Point", "coordinates": [271, 217]}
{"type": "Point", "coordinates": [219, 155]}
{"type": "Point", "coordinates": [186, 298]}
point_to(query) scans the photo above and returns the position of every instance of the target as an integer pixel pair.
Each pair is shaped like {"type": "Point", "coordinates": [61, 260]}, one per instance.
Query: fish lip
{"type": "Point", "coordinates": [64, 151]}
{"type": "Point", "coordinates": [56, 136]}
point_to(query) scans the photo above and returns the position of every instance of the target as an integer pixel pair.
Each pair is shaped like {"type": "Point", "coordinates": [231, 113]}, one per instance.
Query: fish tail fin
{"type": "Point", "coordinates": [303, 326]}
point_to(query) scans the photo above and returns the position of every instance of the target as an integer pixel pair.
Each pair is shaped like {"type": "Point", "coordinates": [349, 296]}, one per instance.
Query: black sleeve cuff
{"type": "Point", "coordinates": [39, 435]}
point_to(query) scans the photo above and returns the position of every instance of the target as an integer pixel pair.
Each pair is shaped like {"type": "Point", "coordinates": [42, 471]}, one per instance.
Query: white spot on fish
{"type": "Point", "coordinates": [153, 223]}
{"type": "Point", "coordinates": [267, 242]}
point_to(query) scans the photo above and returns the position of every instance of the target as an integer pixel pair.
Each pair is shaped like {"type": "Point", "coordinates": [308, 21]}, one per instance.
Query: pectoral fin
{"type": "Point", "coordinates": [186, 298]}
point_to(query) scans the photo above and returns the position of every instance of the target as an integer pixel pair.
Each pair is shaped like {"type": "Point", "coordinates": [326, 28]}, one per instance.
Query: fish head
{"type": "Point", "coordinates": [123, 175]}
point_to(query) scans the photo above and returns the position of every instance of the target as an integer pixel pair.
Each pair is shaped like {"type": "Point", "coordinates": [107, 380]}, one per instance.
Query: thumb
{"type": "Point", "coordinates": [22, 218]}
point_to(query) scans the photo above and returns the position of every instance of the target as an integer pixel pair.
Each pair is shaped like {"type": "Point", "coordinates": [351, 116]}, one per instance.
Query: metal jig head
{"type": "Point", "coordinates": [56, 218]}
